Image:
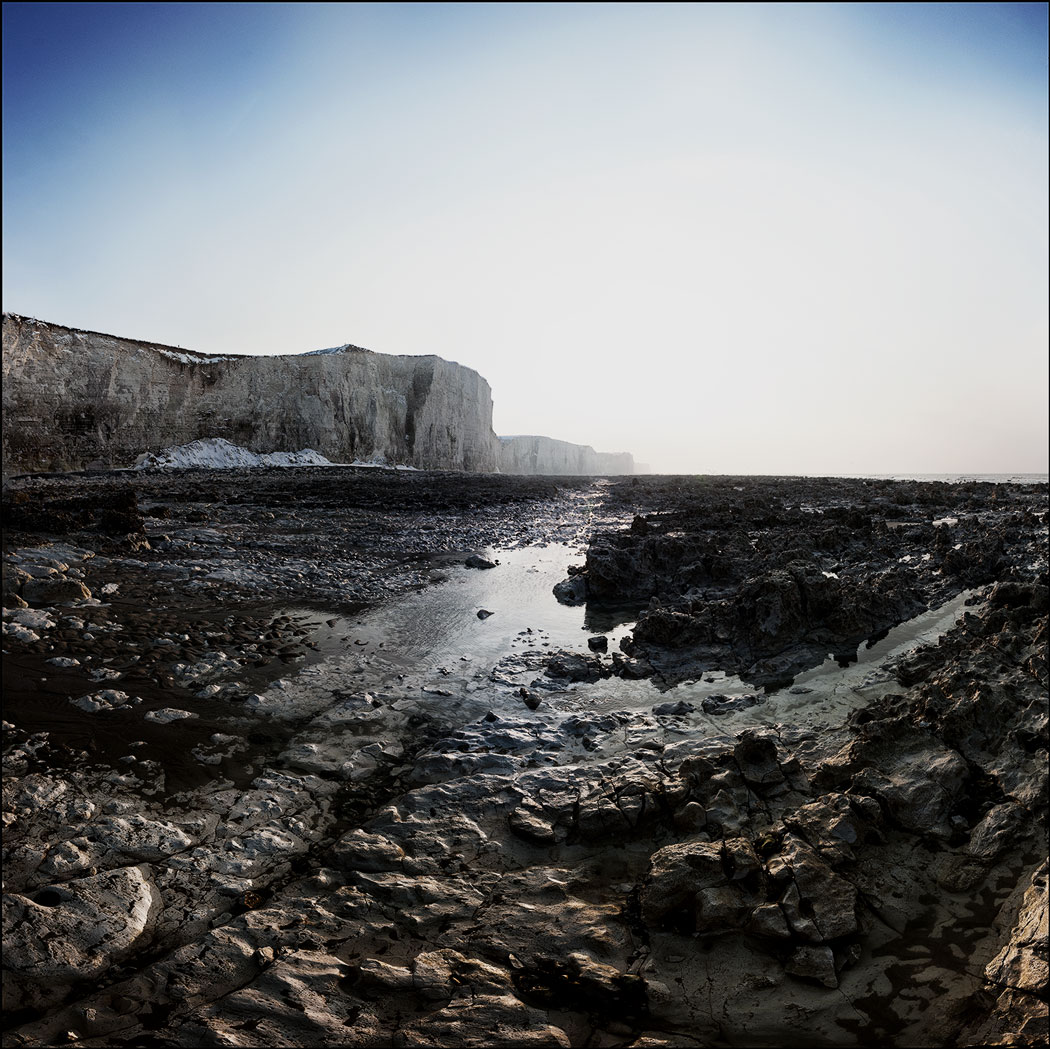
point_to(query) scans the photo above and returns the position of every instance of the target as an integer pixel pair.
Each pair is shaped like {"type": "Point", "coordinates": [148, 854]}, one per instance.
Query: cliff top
{"type": "Point", "coordinates": [187, 356]}
{"type": "Point", "coordinates": [196, 356]}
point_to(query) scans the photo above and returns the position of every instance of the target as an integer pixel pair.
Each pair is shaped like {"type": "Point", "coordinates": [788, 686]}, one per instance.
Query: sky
{"type": "Point", "coordinates": [742, 238]}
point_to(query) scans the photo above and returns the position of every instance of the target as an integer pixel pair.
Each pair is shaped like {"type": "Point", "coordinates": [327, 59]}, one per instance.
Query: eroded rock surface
{"type": "Point", "coordinates": [381, 841]}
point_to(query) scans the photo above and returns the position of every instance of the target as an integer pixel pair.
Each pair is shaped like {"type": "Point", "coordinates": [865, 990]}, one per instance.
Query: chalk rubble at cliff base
{"type": "Point", "coordinates": [356, 843]}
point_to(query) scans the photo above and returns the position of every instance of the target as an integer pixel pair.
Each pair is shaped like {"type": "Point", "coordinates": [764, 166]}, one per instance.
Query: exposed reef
{"type": "Point", "coordinates": [766, 577]}
{"type": "Point", "coordinates": [271, 778]}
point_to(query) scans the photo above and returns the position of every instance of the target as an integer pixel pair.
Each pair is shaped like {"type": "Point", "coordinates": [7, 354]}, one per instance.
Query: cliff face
{"type": "Point", "coordinates": [543, 455]}
{"type": "Point", "coordinates": [72, 397]}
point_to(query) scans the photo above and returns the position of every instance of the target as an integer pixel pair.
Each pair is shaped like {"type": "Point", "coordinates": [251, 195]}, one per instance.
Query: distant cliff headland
{"type": "Point", "coordinates": [74, 399]}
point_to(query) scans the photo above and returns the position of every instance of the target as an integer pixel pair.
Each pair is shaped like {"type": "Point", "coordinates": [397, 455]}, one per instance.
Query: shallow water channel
{"type": "Point", "coordinates": [433, 641]}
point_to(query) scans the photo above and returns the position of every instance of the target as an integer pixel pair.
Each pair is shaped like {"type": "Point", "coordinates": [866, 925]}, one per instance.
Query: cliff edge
{"type": "Point", "coordinates": [73, 398]}
{"type": "Point", "coordinates": [544, 455]}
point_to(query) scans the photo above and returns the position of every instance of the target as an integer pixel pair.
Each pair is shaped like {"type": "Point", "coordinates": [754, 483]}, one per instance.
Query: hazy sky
{"type": "Point", "coordinates": [726, 238]}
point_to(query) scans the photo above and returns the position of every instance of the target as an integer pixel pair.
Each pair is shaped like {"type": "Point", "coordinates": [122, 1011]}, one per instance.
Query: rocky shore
{"type": "Point", "coordinates": [325, 757]}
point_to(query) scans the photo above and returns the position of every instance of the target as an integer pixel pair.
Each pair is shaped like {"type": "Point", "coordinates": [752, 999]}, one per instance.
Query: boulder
{"type": "Point", "coordinates": [80, 928]}
{"type": "Point", "coordinates": [55, 590]}
{"type": "Point", "coordinates": [756, 757]}
{"type": "Point", "coordinates": [676, 874]}
{"type": "Point", "coordinates": [571, 591]}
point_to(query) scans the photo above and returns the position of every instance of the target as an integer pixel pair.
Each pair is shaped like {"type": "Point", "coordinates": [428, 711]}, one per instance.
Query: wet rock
{"type": "Point", "coordinates": [690, 818]}
{"type": "Point", "coordinates": [997, 831]}
{"type": "Point", "coordinates": [13, 580]}
{"type": "Point", "coordinates": [726, 813]}
{"type": "Point", "coordinates": [826, 904]}
{"type": "Point", "coordinates": [444, 974]}
{"type": "Point", "coordinates": [67, 858]}
{"type": "Point", "coordinates": [1019, 595]}
{"type": "Point", "coordinates": [530, 699]}
{"type": "Point", "coordinates": [298, 999]}
{"type": "Point", "coordinates": [571, 591]}
{"type": "Point", "coordinates": [600, 643]}
{"type": "Point", "coordinates": [630, 669]}
{"type": "Point", "coordinates": [485, 1020]}
{"type": "Point", "coordinates": [17, 632]}
{"type": "Point", "coordinates": [679, 708]}
{"type": "Point", "coordinates": [597, 789]}
{"type": "Point", "coordinates": [740, 859]}
{"type": "Point", "coordinates": [580, 981]}
{"type": "Point", "coordinates": [719, 909]}
{"type": "Point", "coordinates": [136, 837]}
{"type": "Point", "coordinates": [719, 704]}
{"type": "Point", "coordinates": [569, 666]}
{"type": "Point", "coordinates": [166, 715]}
{"type": "Point", "coordinates": [31, 618]}
{"type": "Point", "coordinates": [829, 824]}
{"type": "Point", "coordinates": [768, 920]}
{"type": "Point", "coordinates": [389, 979]}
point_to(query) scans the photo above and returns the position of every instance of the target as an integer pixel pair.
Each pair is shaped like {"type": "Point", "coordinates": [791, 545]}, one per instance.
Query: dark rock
{"type": "Point", "coordinates": [572, 667]}
{"type": "Point", "coordinates": [676, 874]}
{"type": "Point", "coordinates": [630, 669]}
{"type": "Point", "coordinates": [474, 561]}
{"type": "Point", "coordinates": [756, 757]}
{"type": "Point", "coordinates": [598, 644]}
{"type": "Point", "coordinates": [679, 708]}
{"type": "Point", "coordinates": [729, 704]}
{"type": "Point", "coordinates": [580, 983]}
{"type": "Point", "coordinates": [813, 963]}
{"type": "Point", "coordinates": [720, 908]}
{"type": "Point", "coordinates": [571, 591]}
{"type": "Point", "coordinates": [768, 920]}
{"type": "Point", "coordinates": [54, 590]}
{"type": "Point", "coordinates": [691, 817]}
{"type": "Point", "coordinates": [530, 826]}
{"type": "Point", "coordinates": [530, 699]}
{"type": "Point", "coordinates": [819, 905]}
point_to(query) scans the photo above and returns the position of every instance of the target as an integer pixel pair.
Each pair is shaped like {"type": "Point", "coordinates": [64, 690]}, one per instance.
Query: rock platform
{"type": "Point", "coordinates": [779, 778]}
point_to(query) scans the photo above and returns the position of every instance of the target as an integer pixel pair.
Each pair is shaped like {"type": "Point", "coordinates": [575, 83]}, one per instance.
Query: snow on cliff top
{"type": "Point", "coordinates": [216, 453]}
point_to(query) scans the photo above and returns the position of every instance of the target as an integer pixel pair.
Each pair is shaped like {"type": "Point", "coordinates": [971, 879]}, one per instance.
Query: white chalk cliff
{"type": "Point", "coordinates": [544, 455]}
{"type": "Point", "coordinates": [75, 398]}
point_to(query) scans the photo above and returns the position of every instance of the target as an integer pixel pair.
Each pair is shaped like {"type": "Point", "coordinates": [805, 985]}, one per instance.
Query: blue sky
{"type": "Point", "coordinates": [727, 238]}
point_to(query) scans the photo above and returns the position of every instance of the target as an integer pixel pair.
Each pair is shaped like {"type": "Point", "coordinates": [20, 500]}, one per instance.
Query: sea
{"type": "Point", "coordinates": [957, 478]}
